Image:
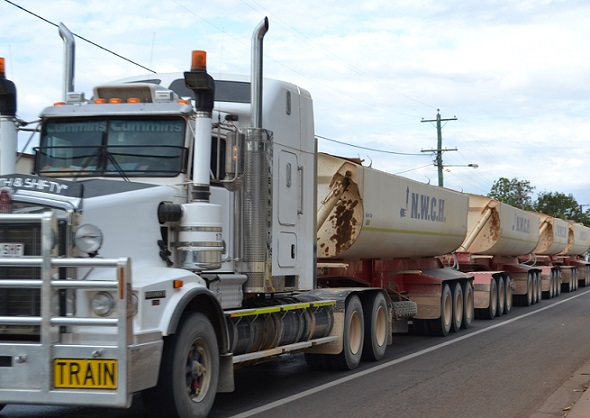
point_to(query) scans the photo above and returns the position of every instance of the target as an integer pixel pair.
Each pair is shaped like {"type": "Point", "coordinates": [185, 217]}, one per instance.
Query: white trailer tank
{"type": "Point", "coordinates": [496, 228]}
{"type": "Point", "coordinates": [366, 213]}
{"type": "Point", "coordinates": [553, 235]}
{"type": "Point", "coordinates": [578, 239]}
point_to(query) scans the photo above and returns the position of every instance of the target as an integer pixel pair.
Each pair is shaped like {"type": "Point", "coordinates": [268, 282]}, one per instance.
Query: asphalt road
{"type": "Point", "coordinates": [506, 367]}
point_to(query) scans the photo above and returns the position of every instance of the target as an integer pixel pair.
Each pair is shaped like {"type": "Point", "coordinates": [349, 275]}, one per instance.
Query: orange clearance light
{"type": "Point", "coordinates": [199, 61]}
{"type": "Point", "coordinates": [184, 102]}
{"type": "Point", "coordinates": [115, 100]}
{"type": "Point", "coordinates": [133, 100]}
{"type": "Point", "coordinates": [177, 284]}
{"type": "Point", "coordinates": [100, 101]}
{"type": "Point", "coordinates": [2, 69]}
{"type": "Point", "coordinates": [59, 103]}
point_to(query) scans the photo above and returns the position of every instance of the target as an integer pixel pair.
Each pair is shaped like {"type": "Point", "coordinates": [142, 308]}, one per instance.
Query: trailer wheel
{"type": "Point", "coordinates": [468, 306]}
{"type": "Point", "coordinates": [376, 327]}
{"type": "Point", "coordinates": [458, 308]}
{"type": "Point", "coordinates": [509, 297]}
{"type": "Point", "coordinates": [491, 310]}
{"type": "Point", "coordinates": [353, 338]}
{"type": "Point", "coordinates": [528, 298]}
{"type": "Point", "coordinates": [442, 325]}
{"type": "Point", "coordinates": [189, 372]}
{"type": "Point", "coordinates": [501, 296]}
{"type": "Point", "coordinates": [2, 405]}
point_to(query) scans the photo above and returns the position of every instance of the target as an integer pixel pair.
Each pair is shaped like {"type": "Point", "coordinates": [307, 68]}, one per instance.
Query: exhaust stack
{"type": "Point", "coordinates": [69, 59]}
{"type": "Point", "coordinates": [255, 226]}
{"type": "Point", "coordinates": [257, 75]}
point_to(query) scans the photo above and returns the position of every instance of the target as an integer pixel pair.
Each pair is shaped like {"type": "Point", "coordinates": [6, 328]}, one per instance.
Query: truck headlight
{"type": "Point", "coordinates": [88, 238]}
{"type": "Point", "coordinates": [102, 303]}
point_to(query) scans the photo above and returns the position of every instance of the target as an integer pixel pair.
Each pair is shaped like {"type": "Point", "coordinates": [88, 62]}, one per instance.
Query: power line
{"type": "Point", "coordinates": [367, 148]}
{"type": "Point", "coordinates": [81, 37]}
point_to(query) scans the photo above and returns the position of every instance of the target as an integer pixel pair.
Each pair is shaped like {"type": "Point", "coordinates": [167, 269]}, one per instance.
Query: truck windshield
{"type": "Point", "coordinates": [128, 147]}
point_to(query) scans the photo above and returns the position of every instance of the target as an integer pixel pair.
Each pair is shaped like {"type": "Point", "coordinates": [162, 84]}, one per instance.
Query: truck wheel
{"type": "Point", "coordinates": [501, 296]}
{"type": "Point", "coordinates": [468, 306]}
{"type": "Point", "coordinates": [458, 307]}
{"type": "Point", "coordinates": [376, 328]}
{"type": "Point", "coordinates": [509, 297]}
{"type": "Point", "coordinates": [2, 405]}
{"type": "Point", "coordinates": [189, 372]}
{"type": "Point", "coordinates": [353, 337]}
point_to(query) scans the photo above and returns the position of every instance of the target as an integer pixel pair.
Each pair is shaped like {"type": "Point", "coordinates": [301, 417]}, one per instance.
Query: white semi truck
{"type": "Point", "coordinates": [173, 228]}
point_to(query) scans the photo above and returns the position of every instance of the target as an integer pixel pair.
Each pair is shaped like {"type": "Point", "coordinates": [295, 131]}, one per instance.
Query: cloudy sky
{"type": "Point", "coordinates": [515, 74]}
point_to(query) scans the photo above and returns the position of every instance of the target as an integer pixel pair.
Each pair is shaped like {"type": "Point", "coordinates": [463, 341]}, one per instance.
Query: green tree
{"type": "Point", "coordinates": [560, 205]}
{"type": "Point", "coordinates": [513, 192]}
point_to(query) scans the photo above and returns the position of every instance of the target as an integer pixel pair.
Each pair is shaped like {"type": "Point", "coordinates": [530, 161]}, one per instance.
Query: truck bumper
{"type": "Point", "coordinates": [76, 375]}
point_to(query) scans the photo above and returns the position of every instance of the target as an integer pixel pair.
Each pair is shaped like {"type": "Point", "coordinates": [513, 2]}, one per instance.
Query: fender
{"type": "Point", "coordinates": [210, 307]}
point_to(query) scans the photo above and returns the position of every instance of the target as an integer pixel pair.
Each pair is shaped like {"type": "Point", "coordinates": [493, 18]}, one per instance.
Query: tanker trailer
{"type": "Point", "coordinates": [380, 230]}
{"type": "Point", "coordinates": [553, 239]}
{"type": "Point", "coordinates": [498, 234]}
{"type": "Point", "coordinates": [575, 270]}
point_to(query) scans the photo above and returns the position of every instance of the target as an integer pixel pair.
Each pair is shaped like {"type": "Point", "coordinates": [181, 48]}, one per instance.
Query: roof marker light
{"type": "Point", "coordinates": [2, 69]}
{"type": "Point", "coordinates": [115, 100]}
{"type": "Point", "coordinates": [133, 100]}
{"type": "Point", "coordinates": [199, 61]}
{"type": "Point", "coordinates": [100, 101]}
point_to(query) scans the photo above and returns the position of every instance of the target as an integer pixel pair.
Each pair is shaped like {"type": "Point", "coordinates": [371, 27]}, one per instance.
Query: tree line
{"type": "Point", "coordinates": [519, 193]}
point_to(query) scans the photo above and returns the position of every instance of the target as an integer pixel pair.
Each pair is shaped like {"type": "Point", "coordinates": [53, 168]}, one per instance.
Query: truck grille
{"type": "Point", "coordinates": [23, 302]}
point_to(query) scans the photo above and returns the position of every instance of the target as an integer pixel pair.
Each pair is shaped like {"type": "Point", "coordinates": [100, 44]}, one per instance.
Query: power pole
{"type": "Point", "coordinates": [439, 150]}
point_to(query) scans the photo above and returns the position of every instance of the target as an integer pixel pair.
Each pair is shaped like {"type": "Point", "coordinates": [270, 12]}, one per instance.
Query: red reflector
{"type": "Point", "coordinates": [4, 201]}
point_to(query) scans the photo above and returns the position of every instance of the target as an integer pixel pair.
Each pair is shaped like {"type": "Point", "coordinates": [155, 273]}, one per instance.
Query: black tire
{"type": "Point", "coordinates": [189, 372]}
{"type": "Point", "coordinates": [490, 311]}
{"type": "Point", "coordinates": [317, 361]}
{"type": "Point", "coordinates": [353, 338]}
{"type": "Point", "coordinates": [442, 325]}
{"type": "Point", "coordinates": [2, 405]}
{"type": "Point", "coordinates": [528, 298]}
{"type": "Point", "coordinates": [501, 297]}
{"type": "Point", "coordinates": [468, 306]}
{"type": "Point", "coordinates": [509, 298]}
{"type": "Point", "coordinates": [549, 294]}
{"type": "Point", "coordinates": [458, 307]}
{"type": "Point", "coordinates": [376, 327]}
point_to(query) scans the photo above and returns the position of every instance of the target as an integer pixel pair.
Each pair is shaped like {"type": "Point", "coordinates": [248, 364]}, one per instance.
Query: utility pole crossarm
{"type": "Point", "coordinates": [439, 150]}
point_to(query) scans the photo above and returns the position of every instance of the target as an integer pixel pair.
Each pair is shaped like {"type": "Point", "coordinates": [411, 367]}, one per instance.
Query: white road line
{"type": "Point", "coordinates": [334, 383]}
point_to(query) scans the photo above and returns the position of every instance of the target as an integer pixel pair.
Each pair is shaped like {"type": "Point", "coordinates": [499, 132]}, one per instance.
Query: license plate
{"type": "Point", "coordinates": [12, 249]}
{"type": "Point", "coordinates": [85, 374]}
